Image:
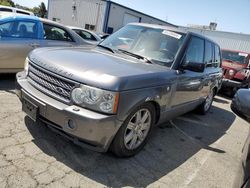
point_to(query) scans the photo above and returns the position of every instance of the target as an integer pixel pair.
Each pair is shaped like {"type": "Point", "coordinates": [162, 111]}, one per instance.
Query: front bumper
{"type": "Point", "coordinates": [91, 129]}
{"type": "Point", "coordinates": [233, 84]}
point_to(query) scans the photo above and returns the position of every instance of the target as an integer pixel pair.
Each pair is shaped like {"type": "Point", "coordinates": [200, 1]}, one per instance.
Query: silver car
{"type": "Point", "coordinates": [111, 95]}
{"type": "Point", "coordinates": [21, 34]}
{"type": "Point", "coordinates": [87, 35]}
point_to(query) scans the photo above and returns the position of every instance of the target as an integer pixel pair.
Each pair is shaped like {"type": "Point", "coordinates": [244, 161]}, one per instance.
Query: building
{"type": "Point", "coordinates": [97, 15]}
{"type": "Point", "coordinates": [227, 40]}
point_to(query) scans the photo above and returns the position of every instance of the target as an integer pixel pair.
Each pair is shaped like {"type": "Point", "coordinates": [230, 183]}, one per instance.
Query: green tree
{"type": "Point", "coordinates": [7, 3]}
{"type": "Point", "coordinates": [36, 11]}
{"type": "Point", "coordinates": [42, 11]}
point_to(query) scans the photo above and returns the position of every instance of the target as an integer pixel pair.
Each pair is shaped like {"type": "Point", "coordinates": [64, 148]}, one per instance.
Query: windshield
{"type": "Point", "coordinates": [157, 45]}
{"type": "Point", "coordinates": [235, 57]}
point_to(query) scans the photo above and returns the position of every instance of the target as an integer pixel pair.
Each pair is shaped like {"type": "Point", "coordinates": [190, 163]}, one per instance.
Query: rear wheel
{"type": "Point", "coordinates": [206, 105]}
{"type": "Point", "coordinates": [134, 132]}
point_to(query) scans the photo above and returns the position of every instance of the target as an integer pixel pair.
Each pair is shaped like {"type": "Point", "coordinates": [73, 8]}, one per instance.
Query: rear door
{"type": "Point", "coordinates": [17, 39]}
{"type": "Point", "coordinates": [190, 84]}
{"type": "Point", "coordinates": [213, 67]}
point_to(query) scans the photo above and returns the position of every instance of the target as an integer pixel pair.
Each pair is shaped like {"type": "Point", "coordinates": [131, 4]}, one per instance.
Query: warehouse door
{"type": "Point", "coordinates": [128, 18]}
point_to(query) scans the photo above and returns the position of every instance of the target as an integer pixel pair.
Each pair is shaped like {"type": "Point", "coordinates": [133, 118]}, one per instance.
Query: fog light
{"type": "Point", "coordinates": [71, 124]}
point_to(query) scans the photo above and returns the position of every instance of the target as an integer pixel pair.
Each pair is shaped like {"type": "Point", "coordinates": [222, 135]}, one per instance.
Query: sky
{"type": "Point", "coordinates": [231, 15]}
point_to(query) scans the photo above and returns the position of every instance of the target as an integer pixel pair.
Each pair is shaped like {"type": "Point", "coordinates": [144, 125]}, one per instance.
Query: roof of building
{"type": "Point", "coordinates": [141, 13]}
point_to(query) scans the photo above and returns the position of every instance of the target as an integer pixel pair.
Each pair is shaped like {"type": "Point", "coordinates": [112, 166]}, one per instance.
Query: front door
{"type": "Point", "coordinates": [190, 84]}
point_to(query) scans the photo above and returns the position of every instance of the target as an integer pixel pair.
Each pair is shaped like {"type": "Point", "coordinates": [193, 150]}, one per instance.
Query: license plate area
{"type": "Point", "coordinates": [30, 109]}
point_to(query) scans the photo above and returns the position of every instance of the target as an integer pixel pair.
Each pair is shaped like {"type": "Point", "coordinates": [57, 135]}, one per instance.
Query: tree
{"type": "Point", "coordinates": [7, 3]}
{"type": "Point", "coordinates": [42, 11]}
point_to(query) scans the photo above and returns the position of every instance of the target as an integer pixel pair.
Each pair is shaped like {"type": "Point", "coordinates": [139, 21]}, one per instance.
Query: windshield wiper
{"type": "Point", "coordinates": [136, 56]}
{"type": "Point", "coordinates": [107, 48]}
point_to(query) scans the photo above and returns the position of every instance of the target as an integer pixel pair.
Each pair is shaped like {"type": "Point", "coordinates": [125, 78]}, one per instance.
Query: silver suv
{"type": "Point", "coordinates": [111, 95]}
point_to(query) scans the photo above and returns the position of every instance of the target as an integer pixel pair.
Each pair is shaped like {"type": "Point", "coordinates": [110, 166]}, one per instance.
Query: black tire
{"type": "Point", "coordinates": [118, 145]}
{"type": "Point", "coordinates": [203, 109]}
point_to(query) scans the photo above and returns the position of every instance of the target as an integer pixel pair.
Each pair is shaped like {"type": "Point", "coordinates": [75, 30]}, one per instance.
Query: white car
{"type": "Point", "coordinates": [87, 35]}
{"type": "Point", "coordinates": [6, 11]}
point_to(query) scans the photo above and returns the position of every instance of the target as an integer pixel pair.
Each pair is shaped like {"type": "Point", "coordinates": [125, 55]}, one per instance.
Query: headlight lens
{"type": "Point", "coordinates": [26, 66]}
{"type": "Point", "coordinates": [95, 99]}
{"type": "Point", "coordinates": [231, 72]}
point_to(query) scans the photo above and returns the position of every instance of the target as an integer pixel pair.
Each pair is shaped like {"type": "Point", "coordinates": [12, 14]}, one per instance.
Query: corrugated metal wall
{"type": "Point", "coordinates": [86, 12]}
{"type": "Point", "coordinates": [117, 13]}
{"type": "Point", "coordinates": [226, 40]}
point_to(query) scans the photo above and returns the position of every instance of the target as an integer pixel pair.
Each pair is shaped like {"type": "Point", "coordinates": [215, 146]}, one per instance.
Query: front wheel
{"type": "Point", "coordinates": [133, 134]}
{"type": "Point", "coordinates": [206, 105]}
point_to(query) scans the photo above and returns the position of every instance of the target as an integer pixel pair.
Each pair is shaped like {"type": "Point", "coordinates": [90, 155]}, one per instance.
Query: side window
{"type": "Point", "coordinates": [208, 54]}
{"type": "Point", "coordinates": [195, 51]}
{"type": "Point", "coordinates": [217, 56]}
{"type": "Point", "coordinates": [19, 29]}
{"type": "Point", "coordinates": [86, 35]}
{"type": "Point", "coordinates": [6, 29]}
{"type": "Point", "coordinates": [21, 12]}
{"type": "Point", "coordinates": [55, 33]}
{"type": "Point", "coordinates": [5, 10]}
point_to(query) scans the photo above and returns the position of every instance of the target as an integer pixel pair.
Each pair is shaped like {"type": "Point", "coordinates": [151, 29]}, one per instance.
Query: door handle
{"type": "Point", "coordinates": [34, 45]}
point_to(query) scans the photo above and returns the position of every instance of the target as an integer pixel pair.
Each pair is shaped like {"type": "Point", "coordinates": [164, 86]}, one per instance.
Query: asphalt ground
{"type": "Point", "coordinates": [190, 151]}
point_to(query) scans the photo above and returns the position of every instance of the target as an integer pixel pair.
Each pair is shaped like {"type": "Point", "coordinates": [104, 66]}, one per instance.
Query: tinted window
{"type": "Point", "coordinates": [21, 12]}
{"type": "Point", "coordinates": [195, 51]}
{"type": "Point", "coordinates": [208, 53]}
{"type": "Point", "coordinates": [19, 29]}
{"type": "Point", "coordinates": [5, 10]}
{"type": "Point", "coordinates": [217, 56]}
{"type": "Point", "coordinates": [56, 33]}
{"type": "Point", "coordinates": [85, 35]}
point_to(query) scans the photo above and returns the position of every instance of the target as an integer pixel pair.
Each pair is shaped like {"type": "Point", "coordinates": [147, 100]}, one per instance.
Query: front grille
{"type": "Point", "coordinates": [50, 84]}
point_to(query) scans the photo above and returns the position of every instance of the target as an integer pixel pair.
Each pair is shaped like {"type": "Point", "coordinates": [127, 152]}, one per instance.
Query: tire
{"type": "Point", "coordinates": [127, 143]}
{"type": "Point", "coordinates": [206, 105]}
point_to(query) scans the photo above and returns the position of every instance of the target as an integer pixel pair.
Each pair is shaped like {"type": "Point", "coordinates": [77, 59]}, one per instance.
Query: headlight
{"type": "Point", "coordinates": [231, 72]}
{"type": "Point", "coordinates": [95, 99]}
{"type": "Point", "coordinates": [26, 66]}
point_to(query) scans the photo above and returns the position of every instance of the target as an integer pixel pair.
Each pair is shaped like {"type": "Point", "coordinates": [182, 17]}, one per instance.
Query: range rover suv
{"type": "Point", "coordinates": [110, 96]}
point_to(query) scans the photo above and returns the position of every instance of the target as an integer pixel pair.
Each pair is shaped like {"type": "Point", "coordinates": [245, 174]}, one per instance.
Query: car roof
{"type": "Point", "coordinates": [171, 28]}
{"type": "Point", "coordinates": [17, 9]}
{"type": "Point", "coordinates": [19, 17]}
{"type": "Point", "coordinates": [27, 17]}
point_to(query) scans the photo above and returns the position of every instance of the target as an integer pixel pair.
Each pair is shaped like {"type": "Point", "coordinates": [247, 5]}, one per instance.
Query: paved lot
{"type": "Point", "coordinates": [198, 151]}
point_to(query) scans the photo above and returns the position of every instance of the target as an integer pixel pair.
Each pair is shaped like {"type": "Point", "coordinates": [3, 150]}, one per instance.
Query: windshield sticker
{"type": "Point", "coordinates": [243, 54]}
{"type": "Point", "coordinates": [172, 34]}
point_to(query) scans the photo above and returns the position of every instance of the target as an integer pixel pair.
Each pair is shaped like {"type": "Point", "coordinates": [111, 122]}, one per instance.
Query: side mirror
{"type": "Point", "coordinates": [194, 66]}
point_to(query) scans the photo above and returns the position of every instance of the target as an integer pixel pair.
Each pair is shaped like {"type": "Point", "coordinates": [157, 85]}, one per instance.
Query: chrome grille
{"type": "Point", "coordinates": [50, 84]}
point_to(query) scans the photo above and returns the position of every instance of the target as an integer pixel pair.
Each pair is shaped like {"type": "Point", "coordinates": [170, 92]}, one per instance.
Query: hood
{"type": "Point", "coordinates": [99, 68]}
{"type": "Point", "coordinates": [233, 65]}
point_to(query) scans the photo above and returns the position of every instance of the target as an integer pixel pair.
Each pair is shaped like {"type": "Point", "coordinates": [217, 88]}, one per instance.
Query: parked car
{"type": "Point", "coordinates": [112, 95]}
{"type": "Point", "coordinates": [235, 70]}
{"type": "Point", "coordinates": [6, 11]}
{"type": "Point", "coordinates": [241, 106]}
{"type": "Point", "coordinates": [21, 34]}
{"type": "Point", "coordinates": [87, 35]}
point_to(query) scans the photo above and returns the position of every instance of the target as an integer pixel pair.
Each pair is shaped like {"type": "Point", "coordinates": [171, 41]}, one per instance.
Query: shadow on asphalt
{"type": "Point", "coordinates": [222, 101]}
{"type": "Point", "coordinates": [7, 82]}
{"type": "Point", "coordinates": [168, 148]}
